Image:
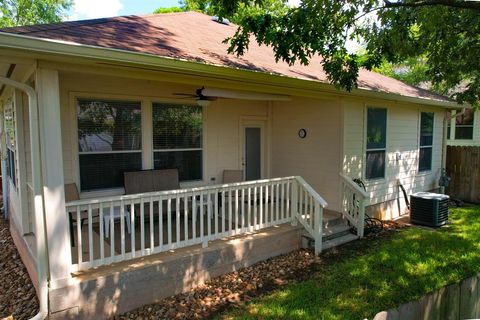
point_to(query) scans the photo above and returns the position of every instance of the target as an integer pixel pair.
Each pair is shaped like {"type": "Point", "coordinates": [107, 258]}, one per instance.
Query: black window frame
{"type": "Point", "coordinates": [378, 148]}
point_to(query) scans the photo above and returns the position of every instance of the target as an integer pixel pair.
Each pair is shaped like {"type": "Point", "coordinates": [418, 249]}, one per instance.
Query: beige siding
{"type": "Point", "coordinates": [402, 141]}
{"type": "Point", "coordinates": [317, 158]}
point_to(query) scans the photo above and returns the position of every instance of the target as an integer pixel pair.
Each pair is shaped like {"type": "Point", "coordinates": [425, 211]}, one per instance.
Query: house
{"type": "Point", "coordinates": [464, 129]}
{"type": "Point", "coordinates": [85, 103]}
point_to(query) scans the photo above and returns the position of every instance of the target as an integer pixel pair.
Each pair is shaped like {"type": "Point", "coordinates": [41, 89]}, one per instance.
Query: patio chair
{"type": "Point", "coordinates": [71, 194]}
{"type": "Point", "coordinates": [152, 181]}
{"type": "Point", "coordinates": [232, 176]}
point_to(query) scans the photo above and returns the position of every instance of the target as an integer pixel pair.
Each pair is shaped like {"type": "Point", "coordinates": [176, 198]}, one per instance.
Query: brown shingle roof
{"type": "Point", "coordinates": [195, 37]}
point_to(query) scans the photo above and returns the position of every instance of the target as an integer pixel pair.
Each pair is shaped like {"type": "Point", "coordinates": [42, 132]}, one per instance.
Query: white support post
{"type": "Point", "coordinates": [318, 227]}
{"type": "Point", "coordinates": [361, 218]}
{"type": "Point", "coordinates": [294, 206]}
{"type": "Point", "coordinates": [57, 224]}
{"type": "Point", "coordinates": [21, 164]}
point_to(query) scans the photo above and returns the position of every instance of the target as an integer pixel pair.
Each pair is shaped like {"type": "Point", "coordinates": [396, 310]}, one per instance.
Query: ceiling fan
{"type": "Point", "coordinates": [198, 95]}
{"type": "Point", "coordinates": [203, 96]}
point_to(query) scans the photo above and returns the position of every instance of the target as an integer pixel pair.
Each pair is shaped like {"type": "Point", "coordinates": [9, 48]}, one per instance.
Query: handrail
{"type": "Point", "coordinates": [353, 185]}
{"type": "Point", "coordinates": [314, 193]}
{"type": "Point", "coordinates": [177, 191]}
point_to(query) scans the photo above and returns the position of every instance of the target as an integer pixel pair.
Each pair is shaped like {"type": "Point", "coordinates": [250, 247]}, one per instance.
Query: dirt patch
{"type": "Point", "coordinates": [236, 288]}
{"type": "Point", "coordinates": [18, 299]}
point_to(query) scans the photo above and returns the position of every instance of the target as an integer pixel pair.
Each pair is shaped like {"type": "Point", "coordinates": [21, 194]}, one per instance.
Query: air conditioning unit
{"type": "Point", "coordinates": [429, 209]}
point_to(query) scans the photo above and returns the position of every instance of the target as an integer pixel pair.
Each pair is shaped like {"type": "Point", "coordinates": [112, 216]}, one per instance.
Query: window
{"type": "Point", "coordinates": [464, 125]}
{"type": "Point", "coordinates": [376, 143]}
{"type": "Point", "coordinates": [177, 139]}
{"type": "Point", "coordinates": [109, 141]}
{"type": "Point", "coordinates": [10, 135]}
{"type": "Point", "coordinates": [426, 141]}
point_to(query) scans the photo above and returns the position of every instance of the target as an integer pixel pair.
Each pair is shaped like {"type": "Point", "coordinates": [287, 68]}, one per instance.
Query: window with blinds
{"type": "Point", "coordinates": [426, 141]}
{"type": "Point", "coordinates": [109, 141]}
{"type": "Point", "coordinates": [376, 143]}
{"type": "Point", "coordinates": [177, 139]}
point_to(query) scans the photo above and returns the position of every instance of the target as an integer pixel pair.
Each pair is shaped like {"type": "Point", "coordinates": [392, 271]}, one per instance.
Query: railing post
{"type": "Point", "coordinates": [361, 218]}
{"type": "Point", "coordinates": [294, 205]}
{"type": "Point", "coordinates": [318, 227]}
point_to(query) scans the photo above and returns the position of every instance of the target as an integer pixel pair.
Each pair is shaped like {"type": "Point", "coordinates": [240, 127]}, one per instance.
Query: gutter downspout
{"type": "Point", "coordinates": [444, 142]}
{"type": "Point", "coordinates": [38, 208]}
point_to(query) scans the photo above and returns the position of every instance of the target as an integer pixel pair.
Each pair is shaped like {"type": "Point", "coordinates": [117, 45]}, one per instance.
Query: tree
{"type": "Point", "coordinates": [444, 33]}
{"type": "Point", "coordinates": [168, 10]}
{"type": "Point", "coordinates": [244, 10]}
{"type": "Point", "coordinates": [25, 12]}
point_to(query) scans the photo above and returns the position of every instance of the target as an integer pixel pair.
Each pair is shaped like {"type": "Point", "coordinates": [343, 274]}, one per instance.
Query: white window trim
{"type": "Point", "coordinates": [453, 126]}
{"type": "Point", "coordinates": [365, 142]}
{"type": "Point", "coordinates": [429, 171]}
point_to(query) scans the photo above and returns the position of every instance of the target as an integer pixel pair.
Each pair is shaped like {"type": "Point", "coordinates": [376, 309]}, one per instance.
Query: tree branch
{"type": "Point", "coordinates": [467, 4]}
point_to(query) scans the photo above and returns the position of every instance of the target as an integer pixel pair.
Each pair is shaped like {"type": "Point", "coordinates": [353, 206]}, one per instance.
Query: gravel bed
{"type": "Point", "coordinates": [230, 289]}
{"type": "Point", "coordinates": [236, 288]}
{"type": "Point", "coordinates": [18, 299]}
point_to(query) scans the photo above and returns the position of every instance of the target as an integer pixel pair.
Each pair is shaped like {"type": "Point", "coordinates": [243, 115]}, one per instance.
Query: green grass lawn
{"type": "Point", "coordinates": [372, 275]}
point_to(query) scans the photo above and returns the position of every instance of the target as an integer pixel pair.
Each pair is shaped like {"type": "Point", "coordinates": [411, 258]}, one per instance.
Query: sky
{"type": "Point", "coordinates": [91, 9]}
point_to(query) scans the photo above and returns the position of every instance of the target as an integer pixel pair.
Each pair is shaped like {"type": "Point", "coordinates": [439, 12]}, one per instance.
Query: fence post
{"type": "Point", "coordinates": [318, 227]}
{"type": "Point", "coordinates": [294, 205]}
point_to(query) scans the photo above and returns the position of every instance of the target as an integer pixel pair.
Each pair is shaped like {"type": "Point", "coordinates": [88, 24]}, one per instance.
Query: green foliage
{"type": "Point", "coordinates": [27, 12]}
{"type": "Point", "coordinates": [369, 276]}
{"type": "Point", "coordinates": [250, 8]}
{"type": "Point", "coordinates": [392, 31]}
{"type": "Point", "coordinates": [168, 10]}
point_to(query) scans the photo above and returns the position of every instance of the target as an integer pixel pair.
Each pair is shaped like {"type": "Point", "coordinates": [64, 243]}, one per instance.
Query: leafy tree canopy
{"type": "Point", "coordinates": [445, 34]}
{"type": "Point", "coordinates": [245, 9]}
{"type": "Point", "coordinates": [168, 10]}
{"type": "Point", "coordinates": [25, 12]}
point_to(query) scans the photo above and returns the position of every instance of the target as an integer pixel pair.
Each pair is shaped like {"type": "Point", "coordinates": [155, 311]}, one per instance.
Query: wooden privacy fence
{"type": "Point", "coordinates": [463, 167]}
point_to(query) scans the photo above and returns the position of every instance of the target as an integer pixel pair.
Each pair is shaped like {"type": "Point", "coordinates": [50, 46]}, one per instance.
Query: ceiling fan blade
{"type": "Point", "coordinates": [187, 98]}
{"type": "Point", "coordinates": [185, 94]}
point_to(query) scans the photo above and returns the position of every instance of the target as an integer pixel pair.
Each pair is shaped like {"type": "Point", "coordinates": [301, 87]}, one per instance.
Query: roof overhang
{"type": "Point", "coordinates": [116, 56]}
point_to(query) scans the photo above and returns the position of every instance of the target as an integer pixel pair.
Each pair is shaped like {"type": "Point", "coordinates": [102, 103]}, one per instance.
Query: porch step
{"type": "Point", "coordinates": [335, 231]}
{"type": "Point", "coordinates": [332, 218]}
{"type": "Point", "coordinates": [339, 241]}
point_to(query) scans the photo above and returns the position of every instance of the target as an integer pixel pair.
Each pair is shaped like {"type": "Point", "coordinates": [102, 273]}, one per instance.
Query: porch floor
{"type": "Point", "coordinates": [160, 230]}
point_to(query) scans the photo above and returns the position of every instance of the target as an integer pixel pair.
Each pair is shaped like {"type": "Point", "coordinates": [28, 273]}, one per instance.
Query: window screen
{"type": "Point", "coordinates": [376, 143]}
{"type": "Point", "coordinates": [177, 139]}
{"type": "Point", "coordinates": [109, 141]}
{"type": "Point", "coordinates": [426, 141]}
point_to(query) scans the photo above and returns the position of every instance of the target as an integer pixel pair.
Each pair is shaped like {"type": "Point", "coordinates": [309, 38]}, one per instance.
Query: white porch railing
{"type": "Point", "coordinates": [354, 201]}
{"type": "Point", "coordinates": [155, 222]}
